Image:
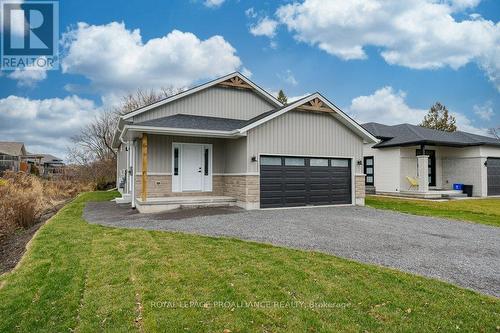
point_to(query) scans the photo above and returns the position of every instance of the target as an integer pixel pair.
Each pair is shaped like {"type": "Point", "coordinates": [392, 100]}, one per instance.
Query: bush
{"type": "Point", "coordinates": [24, 198]}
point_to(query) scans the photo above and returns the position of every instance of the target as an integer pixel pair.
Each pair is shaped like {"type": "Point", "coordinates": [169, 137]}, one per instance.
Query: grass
{"type": "Point", "coordinates": [483, 211]}
{"type": "Point", "coordinates": [86, 278]}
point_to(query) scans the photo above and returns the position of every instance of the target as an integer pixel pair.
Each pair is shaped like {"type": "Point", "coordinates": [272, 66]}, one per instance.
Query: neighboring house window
{"type": "Point", "coordinates": [206, 161]}
{"type": "Point", "coordinates": [369, 172]}
{"type": "Point", "coordinates": [176, 161]}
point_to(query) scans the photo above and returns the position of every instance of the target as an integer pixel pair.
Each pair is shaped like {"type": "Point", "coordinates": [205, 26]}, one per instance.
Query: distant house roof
{"type": "Point", "coordinates": [12, 148]}
{"type": "Point", "coordinates": [47, 158]}
{"type": "Point", "coordinates": [407, 135]}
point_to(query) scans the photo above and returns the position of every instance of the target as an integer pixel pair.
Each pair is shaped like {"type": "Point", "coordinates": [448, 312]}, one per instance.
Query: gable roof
{"type": "Point", "coordinates": [407, 134]}
{"type": "Point", "coordinates": [314, 103]}
{"type": "Point", "coordinates": [12, 148]}
{"type": "Point", "coordinates": [267, 96]}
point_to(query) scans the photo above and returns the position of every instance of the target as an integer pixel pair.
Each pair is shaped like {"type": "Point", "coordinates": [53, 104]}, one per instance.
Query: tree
{"type": "Point", "coordinates": [140, 98]}
{"type": "Point", "coordinates": [439, 118]}
{"type": "Point", "coordinates": [282, 97]}
{"type": "Point", "coordinates": [495, 132]}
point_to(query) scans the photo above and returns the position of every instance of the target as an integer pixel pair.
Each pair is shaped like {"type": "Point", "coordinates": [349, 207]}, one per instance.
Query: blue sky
{"type": "Point", "coordinates": [385, 61]}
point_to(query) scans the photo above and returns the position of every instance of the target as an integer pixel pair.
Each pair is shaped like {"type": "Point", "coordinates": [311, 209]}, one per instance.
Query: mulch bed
{"type": "Point", "coordinates": [13, 246]}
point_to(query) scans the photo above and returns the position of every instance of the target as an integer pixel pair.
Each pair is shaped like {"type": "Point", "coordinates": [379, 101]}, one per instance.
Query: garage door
{"type": "Point", "coordinates": [493, 176]}
{"type": "Point", "coordinates": [297, 181]}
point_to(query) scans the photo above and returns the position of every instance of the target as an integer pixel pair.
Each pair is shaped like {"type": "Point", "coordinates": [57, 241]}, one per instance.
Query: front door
{"type": "Point", "coordinates": [192, 176]}
{"type": "Point", "coordinates": [432, 165]}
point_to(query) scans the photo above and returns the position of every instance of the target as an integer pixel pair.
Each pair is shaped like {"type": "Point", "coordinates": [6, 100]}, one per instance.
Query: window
{"type": "Point", "coordinates": [176, 161]}
{"type": "Point", "coordinates": [369, 170]}
{"type": "Point", "coordinates": [270, 160]}
{"type": "Point", "coordinates": [294, 161]}
{"type": "Point", "coordinates": [206, 161]}
{"type": "Point", "coordinates": [340, 163]}
{"type": "Point", "coordinates": [318, 162]}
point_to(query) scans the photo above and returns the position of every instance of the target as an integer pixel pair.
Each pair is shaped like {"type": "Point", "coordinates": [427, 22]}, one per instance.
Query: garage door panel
{"type": "Point", "coordinates": [493, 171]}
{"type": "Point", "coordinates": [292, 185]}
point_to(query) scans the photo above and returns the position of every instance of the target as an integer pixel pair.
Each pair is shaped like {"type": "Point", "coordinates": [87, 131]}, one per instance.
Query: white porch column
{"type": "Point", "coordinates": [423, 173]}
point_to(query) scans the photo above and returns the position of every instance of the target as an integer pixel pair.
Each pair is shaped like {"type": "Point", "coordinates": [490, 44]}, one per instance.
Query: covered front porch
{"type": "Point", "coordinates": [165, 170]}
{"type": "Point", "coordinates": [430, 172]}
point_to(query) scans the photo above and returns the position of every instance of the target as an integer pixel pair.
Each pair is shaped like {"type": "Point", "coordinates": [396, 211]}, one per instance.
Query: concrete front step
{"type": "Point", "coordinates": [155, 205]}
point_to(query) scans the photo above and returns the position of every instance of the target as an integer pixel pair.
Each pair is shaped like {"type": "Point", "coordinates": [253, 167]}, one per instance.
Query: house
{"type": "Point", "coordinates": [52, 165]}
{"type": "Point", "coordinates": [11, 154]}
{"type": "Point", "coordinates": [229, 141]}
{"type": "Point", "coordinates": [47, 165]}
{"type": "Point", "coordinates": [436, 159]}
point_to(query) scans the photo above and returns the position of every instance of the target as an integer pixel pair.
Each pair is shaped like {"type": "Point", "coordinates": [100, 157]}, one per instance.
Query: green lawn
{"type": "Point", "coordinates": [90, 278]}
{"type": "Point", "coordinates": [484, 211]}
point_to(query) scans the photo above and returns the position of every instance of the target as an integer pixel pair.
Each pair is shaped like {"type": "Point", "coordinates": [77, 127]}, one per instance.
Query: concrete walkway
{"type": "Point", "coordinates": [458, 252]}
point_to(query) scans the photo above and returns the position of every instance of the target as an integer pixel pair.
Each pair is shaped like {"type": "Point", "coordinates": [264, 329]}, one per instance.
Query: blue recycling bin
{"type": "Point", "coordinates": [458, 187]}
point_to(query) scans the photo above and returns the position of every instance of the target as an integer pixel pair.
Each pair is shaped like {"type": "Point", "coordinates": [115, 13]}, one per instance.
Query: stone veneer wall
{"type": "Point", "coordinates": [360, 192]}
{"type": "Point", "coordinates": [244, 188]}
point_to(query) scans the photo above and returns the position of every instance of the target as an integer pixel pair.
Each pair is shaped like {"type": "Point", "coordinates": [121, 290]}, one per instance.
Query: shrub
{"type": "Point", "coordinates": [24, 198]}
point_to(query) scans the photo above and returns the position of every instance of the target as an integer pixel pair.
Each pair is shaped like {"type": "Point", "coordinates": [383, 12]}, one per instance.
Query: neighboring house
{"type": "Point", "coordinates": [11, 154]}
{"type": "Point", "coordinates": [231, 141]}
{"type": "Point", "coordinates": [51, 165]}
{"type": "Point", "coordinates": [437, 159]}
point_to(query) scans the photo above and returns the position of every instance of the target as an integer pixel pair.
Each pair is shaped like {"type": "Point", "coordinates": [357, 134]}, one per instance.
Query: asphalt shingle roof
{"type": "Point", "coordinates": [195, 122]}
{"type": "Point", "coordinates": [406, 134]}
{"type": "Point", "coordinates": [12, 148]}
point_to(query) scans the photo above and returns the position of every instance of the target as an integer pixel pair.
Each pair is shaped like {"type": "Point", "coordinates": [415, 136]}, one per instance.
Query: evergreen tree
{"type": "Point", "coordinates": [282, 97]}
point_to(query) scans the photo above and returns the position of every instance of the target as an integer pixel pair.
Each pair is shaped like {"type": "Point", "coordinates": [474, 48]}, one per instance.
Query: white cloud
{"type": "Point", "coordinates": [250, 12]}
{"type": "Point", "coordinates": [116, 60]}
{"type": "Point", "coordinates": [289, 78]}
{"type": "Point", "coordinates": [484, 111]}
{"type": "Point", "coordinates": [46, 125]}
{"type": "Point", "coordinates": [264, 27]}
{"type": "Point", "coordinates": [419, 34]}
{"type": "Point", "coordinates": [29, 76]}
{"type": "Point", "coordinates": [389, 107]}
{"type": "Point", "coordinates": [213, 3]}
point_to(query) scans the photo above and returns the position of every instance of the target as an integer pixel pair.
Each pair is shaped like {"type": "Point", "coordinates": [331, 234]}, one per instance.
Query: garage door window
{"type": "Point", "coordinates": [294, 161]}
{"type": "Point", "coordinates": [340, 163]}
{"type": "Point", "coordinates": [270, 160]}
{"type": "Point", "coordinates": [318, 162]}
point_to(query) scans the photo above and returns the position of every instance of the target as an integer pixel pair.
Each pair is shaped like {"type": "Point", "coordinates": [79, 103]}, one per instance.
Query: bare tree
{"type": "Point", "coordinates": [91, 150]}
{"type": "Point", "coordinates": [140, 98]}
{"type": "Point", "coordinates": [94, 141]}
{"type": "Point", "coordinates": [495, 132]}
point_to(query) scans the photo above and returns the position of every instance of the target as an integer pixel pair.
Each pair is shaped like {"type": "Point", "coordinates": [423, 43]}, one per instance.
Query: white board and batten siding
{"type": "Point", "coordinates": [289, 135]}
{"type": "Point", "coordinates": [212, 102]}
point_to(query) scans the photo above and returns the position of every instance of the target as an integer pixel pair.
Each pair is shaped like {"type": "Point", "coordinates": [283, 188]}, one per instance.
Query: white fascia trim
{"type": "Point", "coordinates": [265, 94]}
{"type": "Point", "coordinates": [182, 131]}
{"type": "Point", "coordinates": [364, 133]}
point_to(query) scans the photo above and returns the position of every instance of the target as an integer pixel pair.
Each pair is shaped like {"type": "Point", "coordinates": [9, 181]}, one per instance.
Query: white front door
{"type": "Point", "coordinates": [192, 167]}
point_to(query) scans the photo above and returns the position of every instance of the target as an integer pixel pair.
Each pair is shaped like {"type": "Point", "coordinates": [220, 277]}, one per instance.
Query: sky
{"type": "Point", "coordinates": [378, 60]}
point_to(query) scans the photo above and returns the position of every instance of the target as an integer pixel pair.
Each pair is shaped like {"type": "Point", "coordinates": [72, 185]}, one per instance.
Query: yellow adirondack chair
{"type": "Point", "coordinates": [413, 182]}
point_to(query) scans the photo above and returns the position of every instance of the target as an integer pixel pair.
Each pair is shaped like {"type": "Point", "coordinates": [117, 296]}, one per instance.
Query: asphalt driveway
{"type": "Point", "coordinates": [462, 253]}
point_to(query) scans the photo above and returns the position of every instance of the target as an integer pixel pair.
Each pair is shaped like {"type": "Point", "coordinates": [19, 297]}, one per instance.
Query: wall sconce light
{"type": "Point", "coordinates": [360, 162]}
{"type": "Point", "coordinates": [254, 159]}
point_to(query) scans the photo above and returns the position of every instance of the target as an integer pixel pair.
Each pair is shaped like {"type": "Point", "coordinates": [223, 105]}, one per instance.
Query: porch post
{"type": "Point", "coordinates": [423, 173]}
{"type": "Point", "coordinates": [144, 184]}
